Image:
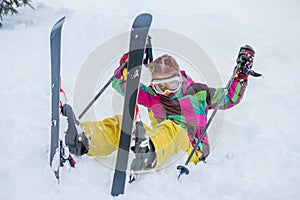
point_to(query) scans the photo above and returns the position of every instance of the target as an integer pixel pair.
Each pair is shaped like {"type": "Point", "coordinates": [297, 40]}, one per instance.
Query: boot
{"type": "Point", "coordinates": [75, 138]}
{"type": "Point", "coordinates": [145, 157]}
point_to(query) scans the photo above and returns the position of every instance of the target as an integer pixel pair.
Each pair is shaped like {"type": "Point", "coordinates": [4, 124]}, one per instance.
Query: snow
{"type": "Point", "coordinates": [257, 155]}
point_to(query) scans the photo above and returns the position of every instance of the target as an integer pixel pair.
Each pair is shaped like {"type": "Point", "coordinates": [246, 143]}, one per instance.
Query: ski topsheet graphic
{"type": "Point", "coordinates": [138, 39]}
{"type": "Point", "coordinates": [55, 49]}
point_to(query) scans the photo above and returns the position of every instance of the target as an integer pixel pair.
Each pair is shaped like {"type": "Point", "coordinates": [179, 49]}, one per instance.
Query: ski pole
{"type": "Point", "coordinates": [183, 168]}
{"type": "Point", "coordinates": [102, 90]}
{"type": "Point", "coordinates": [147, 60]}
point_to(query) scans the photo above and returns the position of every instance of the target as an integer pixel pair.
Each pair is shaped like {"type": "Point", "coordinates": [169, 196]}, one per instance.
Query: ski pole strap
{"type": "Point", "coordinates": [148, 51]}
{"type": "Point", "coordinates": [102, 90]}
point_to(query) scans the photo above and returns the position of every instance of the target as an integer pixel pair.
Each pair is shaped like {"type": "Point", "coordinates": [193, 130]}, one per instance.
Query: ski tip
{"type": "Point", "coordinates": [58, 24]}
{"type": "Point", "coordinates": [132, 176]}
{"type": "Point", "coordinates": [62, 19]}
{"type": "Point", "coordinates": [143, 20]}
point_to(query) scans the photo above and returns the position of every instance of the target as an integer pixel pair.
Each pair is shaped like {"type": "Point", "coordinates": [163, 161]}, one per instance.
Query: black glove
{"type": "Point", "coordinates": [245, 62]}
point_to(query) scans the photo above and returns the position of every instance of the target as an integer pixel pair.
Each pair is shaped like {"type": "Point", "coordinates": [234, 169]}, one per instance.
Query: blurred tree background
{"type": "Point", "coordinates": [11, 7]}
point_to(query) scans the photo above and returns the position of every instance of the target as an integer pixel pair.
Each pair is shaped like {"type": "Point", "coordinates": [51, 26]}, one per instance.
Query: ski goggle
{"type": "Point", "coordinates": [167, 85]}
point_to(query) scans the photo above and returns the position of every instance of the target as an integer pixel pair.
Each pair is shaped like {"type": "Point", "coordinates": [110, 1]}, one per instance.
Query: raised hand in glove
{"type": "Point", "coordinates": [121, 71]}
{"type": "Point", "coordinates": [245, 62]}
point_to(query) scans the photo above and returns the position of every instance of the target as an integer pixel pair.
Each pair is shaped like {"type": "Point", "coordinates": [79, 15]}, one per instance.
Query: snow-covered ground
{"type": "Point", "coordinates": [258, 154]}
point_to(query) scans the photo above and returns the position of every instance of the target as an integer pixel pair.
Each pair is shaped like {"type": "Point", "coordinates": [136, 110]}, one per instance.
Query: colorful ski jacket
{"type": "Point", "coordinates": [189, 106]}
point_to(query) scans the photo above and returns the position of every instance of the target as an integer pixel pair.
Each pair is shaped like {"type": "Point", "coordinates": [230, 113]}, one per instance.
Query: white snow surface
{"type": "Point", "coordinates": [258, 154]}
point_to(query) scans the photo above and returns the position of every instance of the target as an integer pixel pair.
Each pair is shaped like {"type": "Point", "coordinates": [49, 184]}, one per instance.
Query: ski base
{"type": "Point", "coordinates": [55, 49]}
{"type": "Point", "coordinates": [138, 39]}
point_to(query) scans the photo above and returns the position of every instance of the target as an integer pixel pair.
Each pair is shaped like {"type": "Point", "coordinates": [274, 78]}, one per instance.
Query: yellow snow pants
{"type": "Point", "coordinates": [167, 138]}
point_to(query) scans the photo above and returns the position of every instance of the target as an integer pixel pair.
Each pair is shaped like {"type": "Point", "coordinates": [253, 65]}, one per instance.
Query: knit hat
{"type": "Point", "coordinates": [164, 65]}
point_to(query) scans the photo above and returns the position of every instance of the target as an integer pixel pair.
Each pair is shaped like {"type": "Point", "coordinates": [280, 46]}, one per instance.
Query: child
{"type": "Point", "coordinates": [177, 106]}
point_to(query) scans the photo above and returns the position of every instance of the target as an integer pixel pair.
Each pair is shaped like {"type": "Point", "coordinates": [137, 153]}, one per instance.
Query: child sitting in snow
{"type": "Point", "coordinates": [177, 106]}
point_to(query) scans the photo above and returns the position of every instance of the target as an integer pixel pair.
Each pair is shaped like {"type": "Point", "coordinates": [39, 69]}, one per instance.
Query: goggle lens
{"type": "Point", "coordinates": [165, 85]}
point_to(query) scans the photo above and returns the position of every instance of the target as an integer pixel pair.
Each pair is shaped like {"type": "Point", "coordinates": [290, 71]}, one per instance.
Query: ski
{"type": "Point", "coordinates": [55, 49]}
{"type": "Point", "coordinates": [138, 39]}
